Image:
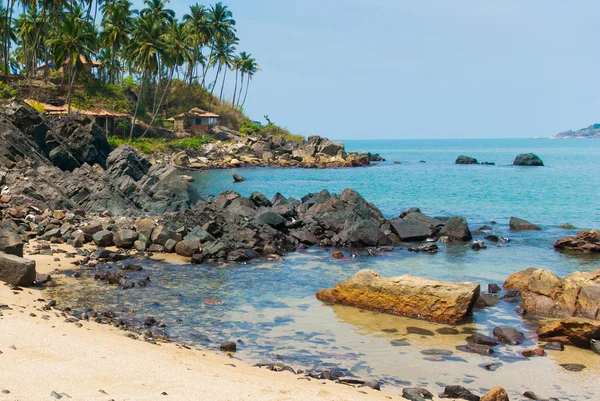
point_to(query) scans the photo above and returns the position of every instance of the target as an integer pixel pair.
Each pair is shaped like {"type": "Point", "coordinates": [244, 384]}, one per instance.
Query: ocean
{"type": "Point", "coordinates": [270, 307]}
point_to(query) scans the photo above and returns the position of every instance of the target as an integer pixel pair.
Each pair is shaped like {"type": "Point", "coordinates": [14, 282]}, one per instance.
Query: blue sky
{"type": "Point", "coordinates": [373, 69]}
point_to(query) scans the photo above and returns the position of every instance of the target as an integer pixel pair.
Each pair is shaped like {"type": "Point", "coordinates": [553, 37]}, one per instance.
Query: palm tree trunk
{"type": "Point", "coordinates": [160, 103]}
{"type": "Point", "coordinates": [235, 88]}
{"type": "Point", "coordinates": [137, 104]}
{"type": "Point", "coordinates": [223, 84]}
{"type": "Point", "coordinates": [241, 88]}
{"type": "Point", "coordinates": [213, 87]}
{"type": "Point", "coordinates": [73, 73]}
{"type": "Point", "coordinates": [246, 94]}
{"type": "Point", "coordinates": [7, 30]}
{"type": "Point", "coordinates": [205, 69]}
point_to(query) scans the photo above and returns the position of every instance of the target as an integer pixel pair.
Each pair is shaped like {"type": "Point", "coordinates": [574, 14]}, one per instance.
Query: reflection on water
{"type": "Point", "coordinates": [272, 309]}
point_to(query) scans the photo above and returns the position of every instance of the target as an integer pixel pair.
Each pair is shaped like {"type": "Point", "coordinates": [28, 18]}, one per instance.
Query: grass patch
{"type": "Point", "coordinates": [159, 145]}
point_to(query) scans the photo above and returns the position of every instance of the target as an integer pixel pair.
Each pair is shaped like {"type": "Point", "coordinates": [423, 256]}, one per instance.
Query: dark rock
{"type": "Point", "coordinates": [125, 238]}
{"type": "Point", "coordinates": [487, 300]}
{"type": "Point", "coordinates": [198, 258]}
{"type": "Point", "coordinates": [554, 346]}
{"type": "Point", "coordinates": [527, 159]}
{"type": "Point", "coordinates": [428, 248]}
{"type": "Point", "coordinates": [16, 270]}
{"type": "Point", "coordinates": [508, 335]}
{"type": "Point", "coordinates": [477, 245]}
{"type": "Point", "coordinates": [447, 331]}
{"type": "Point", "coordinates": [371, 383]}
{"type": "Point", "coordinates": [456, 229]}
{"type": "Point", "coordinates": [459, 392]}
{"type": "Point", "coordinates": [11, 243]}
{"type": "Point", "coordinates": [518, 224]}
{"type": "Point", "coordinates": [466, 160]}
{"type": "Point", "coordinates": [90, 229]}
{"type": "Point", "coordinates": [271, 218]}
{"type": "Point", "coordinates": [411, 229]}
{"type": "Point", "coordinates": [228, 346]}
{"type": "Point", "coordinates": [170, 245]}
{"type": "Point", "coordinates": [160, 235]}
{"type": "Point", "coordinates": [573, 367]}
{"type": "Point", "coordinates": [595, 346]}
{"type": "Point", "coordinates": [260, 200]}
{"type": "Point", "coordinates": [494, 288]}
{"type": "Point", "coordinates": [477, 338]}
{"type": "Point", "coordinates": [238, 178]}
{"type": "Point", "coordinates": [103, 238]}
{"type": "Point", "coordinates": [476, 349]}
{"type": "Point", "coordinates": [187, 247]}
{"type": "Point", "coordinates": [419, 331]}
{"type": "Point", "coordinates": [416, 394]}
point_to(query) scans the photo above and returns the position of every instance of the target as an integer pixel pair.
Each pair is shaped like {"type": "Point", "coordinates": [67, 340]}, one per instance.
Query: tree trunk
{"type": "Point", "coordinates": [73, 73]}
{"type": "Point", "coordinates": [246, 94]}
{"type": "Point", "coordinates": [235, 88]}
{"type": "Point", "coordinates": [137, 104]}
{"type": "Point", "coordinates": [206, 67]}
{"type": "Point", "coordinates": [7, 30]}
{"type": "Point", "coordinates": [223, 84]}
{"type": "Point", "coordinates": [241, 88]}
{"type": "Point", "coordinates": [213, 87]}
{"type": "Point", "coordinates": [159, 103]}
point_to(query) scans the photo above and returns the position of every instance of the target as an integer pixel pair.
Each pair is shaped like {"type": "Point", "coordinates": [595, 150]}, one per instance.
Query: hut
{"type": "Point", "coordinates": [195, 119]}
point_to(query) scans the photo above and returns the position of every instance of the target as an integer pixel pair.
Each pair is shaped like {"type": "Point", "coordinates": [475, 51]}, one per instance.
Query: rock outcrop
{"type": "Point", "coordinates": [405, 295]}
{"type": "Point", "coordinates": [575, 331]}
{"type": "Point", "coordinates": [66, 163]}
{"type": "Point", "coordinates": [584, 242]}
{"type": "Point", "coordinates": [527, 159]}
{"type": "Point", "coordinates": [591, 132]}
{"type": "Point", "coordinates": [543, 293]}
{"type": "Point", "coordinates": [456, 230]}
{"type": "Point", "coordinates": [16, 270]}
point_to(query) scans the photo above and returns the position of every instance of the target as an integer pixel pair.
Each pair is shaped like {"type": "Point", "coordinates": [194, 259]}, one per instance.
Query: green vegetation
{"type": "Point", "coordinates": [158, 145]}
{"type": "Point", "coordinates": [145, 63]}
{"type": "Point", "coordinates": [6, 92]}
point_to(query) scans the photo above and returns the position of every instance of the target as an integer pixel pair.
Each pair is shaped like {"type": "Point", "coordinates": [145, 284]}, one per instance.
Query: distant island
{"type": "Point", "coordinates": [591, 132]}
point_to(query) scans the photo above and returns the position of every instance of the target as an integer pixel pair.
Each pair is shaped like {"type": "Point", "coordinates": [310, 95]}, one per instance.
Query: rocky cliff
{"type": "Point", "coordinates": [591, 132]}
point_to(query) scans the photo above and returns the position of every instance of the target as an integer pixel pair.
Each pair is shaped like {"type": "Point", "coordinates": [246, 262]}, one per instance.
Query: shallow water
{"type": "Point", "coordinates": [271, 307]}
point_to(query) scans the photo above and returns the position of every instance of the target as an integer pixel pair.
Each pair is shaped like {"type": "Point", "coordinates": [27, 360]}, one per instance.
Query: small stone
{"type": "Point", "coordinates": [337, 255]}
{"type": "Point", "coordinates": [228, 346]}
{"type": "Point", "coordinates": [573, 367]}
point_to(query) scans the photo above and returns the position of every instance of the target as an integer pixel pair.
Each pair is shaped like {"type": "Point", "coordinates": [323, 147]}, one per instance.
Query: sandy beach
{"type": "Point", "coordinates": [41, 353]}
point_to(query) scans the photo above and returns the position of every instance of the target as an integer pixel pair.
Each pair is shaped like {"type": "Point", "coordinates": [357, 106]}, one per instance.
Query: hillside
{"type": "Point", "coordinates": [591, 132]}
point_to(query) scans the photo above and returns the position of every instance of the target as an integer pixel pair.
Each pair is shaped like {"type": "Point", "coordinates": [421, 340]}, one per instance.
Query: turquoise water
{"type": "Point", "coordinates": [271, 308]}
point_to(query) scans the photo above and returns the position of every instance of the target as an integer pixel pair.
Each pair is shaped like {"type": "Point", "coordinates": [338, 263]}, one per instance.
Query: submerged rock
{"type": "Point", "coordinates": [517, 224]}
{"type": "Point", "coordinates": [405, 295]}
{"type": "Point", "coordinates": [509, 335]}
{"type": "Point", "coordinates": [528, 159]}
{"type": "Point", "coordinates": [585, 242]}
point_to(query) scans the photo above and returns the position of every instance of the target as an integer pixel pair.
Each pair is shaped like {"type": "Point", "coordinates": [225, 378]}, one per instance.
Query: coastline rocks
{"type": "Point", "coordinates": [416, 394]}
{"type": "Point", "coordinates": [466, 160]}
{"type": "Point", "coordinates": [575, 331]}
{"type": "Point", "coordinates": [584, 242]}
{"type": "Point", "coordinates": [16, 270]}
{"type": "Point", "coordinates": [405, 295]}
{"type": "Point", "coordinates": [527, 159]}
{"type": "Point", "coordinates": [103, 238]}
{"type": "Point", "coordinates": [459, 392]}
{"type": "Point", "coordinates": [456, 229]}
{"type": "Point", "coordinates": [11, 243]}
{"type": "Point", "coordinates": [517, 224]}
{"type": "Point", "coordinates": [543, 293]}
{"type": "Point", "coordinates": [125, 238]}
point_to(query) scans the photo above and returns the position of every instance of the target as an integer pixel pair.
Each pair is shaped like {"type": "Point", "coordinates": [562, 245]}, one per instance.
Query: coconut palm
{"type": "Point", "coordinates": [117, 25]}
{"type": "Point", "coordinates": [251, 69]}
{"type": "Point", "coordinates": [236, 66]}
{"type": "Point", "coordinates": [244, 58]}
{"type": "Point", "coordinates": [222, 26]}
{"type": "Point", "coordinates": [74, 42]}
{"type": "Point", "coordinates": [176, 52]}
{"type": "Point", "coordinates": [198, 34]}
{"type": "Point", "coordinates": [158, 10]}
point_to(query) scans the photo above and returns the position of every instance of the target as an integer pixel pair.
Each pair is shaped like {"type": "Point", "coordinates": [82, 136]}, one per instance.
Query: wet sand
{"type": "Point", "coordinates": [41, 353]}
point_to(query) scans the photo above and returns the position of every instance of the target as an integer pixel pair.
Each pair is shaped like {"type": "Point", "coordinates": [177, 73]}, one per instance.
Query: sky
{"type": "Point", "coordinates": [404, 69]}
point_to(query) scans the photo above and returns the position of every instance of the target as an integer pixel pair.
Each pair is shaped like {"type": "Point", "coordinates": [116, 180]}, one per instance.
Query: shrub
{"type": "Point", "coordinates": [6, 91]}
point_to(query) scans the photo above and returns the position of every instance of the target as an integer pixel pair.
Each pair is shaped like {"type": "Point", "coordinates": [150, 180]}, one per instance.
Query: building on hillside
{"type": "Point", "coordinates": [195, 119]}
{"type": "Point", "coordinates": [105, 119]}
{"type": "Point", "coordinates": [90, 67]}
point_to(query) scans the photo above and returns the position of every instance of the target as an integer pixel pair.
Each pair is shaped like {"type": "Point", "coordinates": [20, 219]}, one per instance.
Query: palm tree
{"type": "Point", "coordinates": [157, 9]}
{"type": "Point", "coordinates": [244, 58]}
{"type": "Point", "coordinates": [74, 42]}
{"type": "Point", "coordinates": [236, 66]}
{"type": "Point", "coordinates": [251, 69]}
{"type": "Point", "coordinates": [224, 50]}
{"type": "Point", "coordinates": [117, 25]}
{"type": "Point", "coordinates": [144, 50]}
{"type": "Point", "coordinates": [176, 53]}
{"type": "Point", "coordinates": [198, 33]}
{"type": "Point", "coordinates": [222, 26]}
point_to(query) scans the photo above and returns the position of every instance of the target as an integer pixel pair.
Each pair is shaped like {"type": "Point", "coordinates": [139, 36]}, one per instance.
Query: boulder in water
{"type": "Point", "coordinates": [517, 224]}
{"type": "Point", "coordinates": [465, 160]}
{"type": "Point", "coordinates": [575, 331]}
{"type": "Point", "coordinates": [584, 242]}
{"type": "Point", "coordinates": [528, 159]}
{"type": "Point", "coordinates": [406, 295]}
{"type": "Point", "coordinates": [237, 177]}
{"type": "Point", "coordinates": [456, 229]}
